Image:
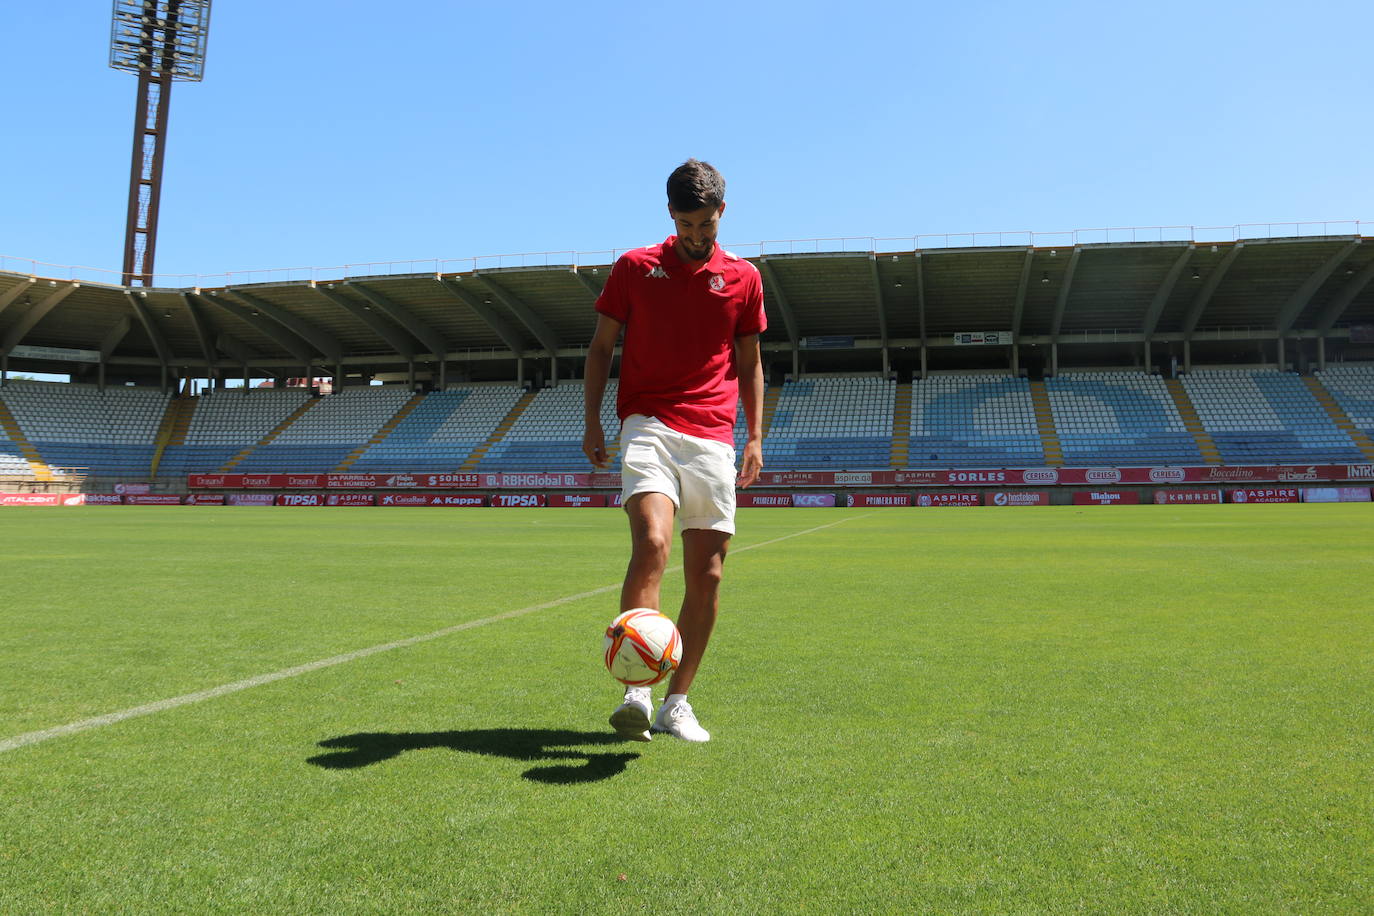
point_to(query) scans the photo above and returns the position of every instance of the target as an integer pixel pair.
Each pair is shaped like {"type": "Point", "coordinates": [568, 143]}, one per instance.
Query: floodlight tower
{"type": "Point", "coordinates": [162, 41]}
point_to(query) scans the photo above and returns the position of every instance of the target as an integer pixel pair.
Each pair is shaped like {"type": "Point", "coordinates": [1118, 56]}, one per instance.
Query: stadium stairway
{"type": "Point", "coordinates": [1339, 416]}
{"type": "Point", "coordinates": [276, 431]}
{"type": "Point", "coordinates": [381, 433]}
{"type": "Point", "coordinates": [1044, 421]}
{"type": "Point", "coordinates": [37, 465]}
{"type": "Point", "coordinates": [770, 407]}
{"type": "Point", "coordinates": [501, 429]}
{"type": "Point", "coordinates": [1192, 423]}
{"type": "Point", "coordinates": [175, 422]}
{"type": "Point", "coordinates": [901, 426]}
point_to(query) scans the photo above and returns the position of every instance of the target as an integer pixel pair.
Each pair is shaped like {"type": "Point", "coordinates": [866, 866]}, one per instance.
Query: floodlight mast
{"type": "Point", "coordinates": [162, 41]}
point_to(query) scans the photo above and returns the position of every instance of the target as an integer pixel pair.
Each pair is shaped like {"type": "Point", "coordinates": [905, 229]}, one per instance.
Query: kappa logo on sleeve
{"type": "Point", "coordinates": [658, 273]}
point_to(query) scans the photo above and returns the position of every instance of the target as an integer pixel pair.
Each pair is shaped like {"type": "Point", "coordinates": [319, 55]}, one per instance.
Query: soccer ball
{"type": "Point", "coordinates": [642, 647]}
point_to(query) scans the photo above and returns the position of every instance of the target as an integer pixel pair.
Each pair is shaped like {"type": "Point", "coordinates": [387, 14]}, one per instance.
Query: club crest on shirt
{"type": "Point", "coordinates": [717, 282]}
{"type": "Point", "coordinates": [658, 272]}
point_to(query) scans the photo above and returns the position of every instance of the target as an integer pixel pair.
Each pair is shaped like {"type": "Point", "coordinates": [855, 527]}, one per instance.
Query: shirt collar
{"type": "Point", "coordinates": [715, 263]}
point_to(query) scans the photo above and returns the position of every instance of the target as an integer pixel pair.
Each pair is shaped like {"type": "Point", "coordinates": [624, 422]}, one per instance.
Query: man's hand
{"type": "Point", "coordinates": [594, 445]}
{"type": "Point", "coordinates": [753, 464]}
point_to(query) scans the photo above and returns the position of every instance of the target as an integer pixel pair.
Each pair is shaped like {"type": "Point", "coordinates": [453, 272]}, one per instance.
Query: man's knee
{"type": "Point", "coordinates": [704, 568]}
{"type": "Point", "coordinates": [651, 548]}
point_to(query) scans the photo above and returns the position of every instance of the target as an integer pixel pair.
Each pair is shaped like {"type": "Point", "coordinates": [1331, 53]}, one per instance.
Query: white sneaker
{"type": "Point", "coordinates": [679, 721]}
{"type": "Point", "coordinates": [631, 718]}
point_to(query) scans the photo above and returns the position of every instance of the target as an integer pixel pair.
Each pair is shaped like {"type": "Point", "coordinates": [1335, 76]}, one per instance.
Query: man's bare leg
{"type": "Point", "coordinates": [651, 539]}
{"type": "Point", "coordinates": [703, 559]}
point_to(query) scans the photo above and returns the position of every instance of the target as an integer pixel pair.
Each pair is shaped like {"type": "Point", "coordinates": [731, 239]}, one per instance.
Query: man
{"type": "Point", "coordinates": [692, 314]}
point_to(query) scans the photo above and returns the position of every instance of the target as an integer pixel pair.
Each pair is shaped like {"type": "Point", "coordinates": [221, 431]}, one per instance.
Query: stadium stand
{"type": "Point", "coordinates": [226, 422]}
{"type": "Point", "coordinates": [973, 421]}
{"type": "Point", "coordinates": [325, 435]}
{"type": "Point", "coordinates": [1265, 416]}
{"type": "Point", "coordinates": [443, 430]}
{"type": "Point", "coordinates": [12, 460]}
{"type": "Point", "coordinates": [1353, 389]}
{"type": "Point", "coordinates": [1118, 418]}
{"type": "Point", "coordinates": [548, 435]}
{"type": "Point", "coordinates": [831, 422]}
{"type": "Point", "coordinates": [78, 426]}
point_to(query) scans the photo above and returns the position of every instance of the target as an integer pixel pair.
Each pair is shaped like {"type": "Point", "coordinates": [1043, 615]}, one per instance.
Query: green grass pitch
{"type": "Point", "coordinates": [1118, 710]}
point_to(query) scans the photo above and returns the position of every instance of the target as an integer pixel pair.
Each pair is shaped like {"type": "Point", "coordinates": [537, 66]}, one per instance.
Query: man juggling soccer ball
{"type": "Point", "coordinates": [692, 313]}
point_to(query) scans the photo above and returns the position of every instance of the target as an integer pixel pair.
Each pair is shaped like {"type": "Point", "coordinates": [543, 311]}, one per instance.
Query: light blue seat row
{"type": "Point", "coordinates": [1260, 417]}
{"type": "Point", "coordinates": [98, 457]}
{"type": "Point", "coordinates": [849, 452]}
{"type": "Point", "coordinates": [973, 421]}
{"type": "Point", "coordinates": [284, 458]}
{"type": "Point", "coordinates": [1118, 418]}
{"type": "Point", "coordinates": [195, 459]}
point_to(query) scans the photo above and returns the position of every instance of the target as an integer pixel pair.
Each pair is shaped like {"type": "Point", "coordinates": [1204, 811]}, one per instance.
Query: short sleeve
{"type": "Point", "coordinates": [614, 301]}
{"type": "Point", "coordinates": [752, 319]}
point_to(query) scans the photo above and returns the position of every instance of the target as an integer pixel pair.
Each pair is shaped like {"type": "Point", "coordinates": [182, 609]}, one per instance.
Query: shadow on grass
{"type": "Point", "coordinates": [368, 748]}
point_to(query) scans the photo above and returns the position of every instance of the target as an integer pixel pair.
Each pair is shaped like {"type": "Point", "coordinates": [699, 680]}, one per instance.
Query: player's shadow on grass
{"type": "Point", "coordinates": [368, 748]}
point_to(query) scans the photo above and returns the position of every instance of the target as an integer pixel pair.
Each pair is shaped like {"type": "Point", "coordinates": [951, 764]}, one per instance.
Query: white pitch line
{"type": "Point", "coordinates": [18, 741]}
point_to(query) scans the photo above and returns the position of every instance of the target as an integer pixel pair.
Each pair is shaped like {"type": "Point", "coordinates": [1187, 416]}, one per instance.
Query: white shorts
{"type": "Point", "coordinates": [697, 474]}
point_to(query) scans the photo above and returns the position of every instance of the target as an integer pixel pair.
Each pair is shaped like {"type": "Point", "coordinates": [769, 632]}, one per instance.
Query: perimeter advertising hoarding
{"type": "Point", "coordinates": [454, 481]}
{"type": "Point", "coordinates": [880, 499]}
{"type": "Point", "coordinates": [969, 498]}
{"type": "Point", "coordinates": [133, 489]}
{"type": "Point", "coordinates": [30, 499]}
{"type": "Point", "coordinates": [1181, 497]}
{"type": "Point", "coordinates": [1016, 498]}
{"type": "Point", "coordinates": [1335, 495]}
{"type": "Point", "coordinates": [251, 499]}
{"type": "Point", "coordinates": [350, 499]}
{"type": "Point", "coordinates": [1107, 498]}
{"type": "Point", "coordinates": [759, 500]}
{"type": "Point", "coordinates": [577, 500]}
{"type": "Point", "coordinates": [205, 499]}
{"type": "Point", "coordinates": [430, 499]}
{"type": "Point", "coordinates": [1263, 495]}
{"type": "Point", "coordinates": [153, 499]}
{"type": "Point", "coordinates": [988, 477]}
{"type": "Point", "coordinates": [92, 499]}
{"type": "Point", "coordinates": [300, 499]}
{"type": "Point", "coordinates": [814, 500]}
{"type": "Point", "coordinates": [519, 500]}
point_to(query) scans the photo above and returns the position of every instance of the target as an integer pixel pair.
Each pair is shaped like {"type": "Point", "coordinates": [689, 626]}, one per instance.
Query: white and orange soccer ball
{"type": "Point", "coordinates": [642, 647]}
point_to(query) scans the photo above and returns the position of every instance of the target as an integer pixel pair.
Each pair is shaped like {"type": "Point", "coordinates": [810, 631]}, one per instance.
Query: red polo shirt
{"type": "Point", "coordinates": [678, 358]}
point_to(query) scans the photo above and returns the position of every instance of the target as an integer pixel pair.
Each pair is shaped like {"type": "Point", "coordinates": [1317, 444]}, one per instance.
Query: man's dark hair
{"type": "Point", "coordinates": [694, 185]}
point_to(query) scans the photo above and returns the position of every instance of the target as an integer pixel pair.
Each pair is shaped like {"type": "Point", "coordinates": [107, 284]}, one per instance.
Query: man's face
{"type": "Point", "coordinates": [696, 230]}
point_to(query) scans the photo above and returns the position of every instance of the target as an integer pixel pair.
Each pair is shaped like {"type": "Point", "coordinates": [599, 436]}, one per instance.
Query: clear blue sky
{"type": "Point", "coordinates": [334, 132]}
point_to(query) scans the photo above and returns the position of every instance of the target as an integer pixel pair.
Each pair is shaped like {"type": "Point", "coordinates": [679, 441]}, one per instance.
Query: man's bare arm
{"type": "Point", "coordinates": [599, 356]}
{"type": "Point", "coordinates": [750, 368]}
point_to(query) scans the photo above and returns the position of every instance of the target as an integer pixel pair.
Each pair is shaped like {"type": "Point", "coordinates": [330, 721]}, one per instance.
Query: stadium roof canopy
{"type": "Point", "coordinates": [1079, 303]}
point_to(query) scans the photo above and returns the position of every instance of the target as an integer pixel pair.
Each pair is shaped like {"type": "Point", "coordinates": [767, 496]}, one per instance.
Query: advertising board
{"type": "Point", "coordinates": [1107, 498]}
{"type": "Point", "coordinates": [1184, 497]}
{"type": "Point", "coordinates": [577, 500]}
{"type": "Point", "coordinates": [969, 498]}
{"type": "Point", "coordinates": [875, 500]}
{"type": "Point", "coordinates": [1016, 498]}
{"type": "Point", "coordinates": [1263, 495]}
